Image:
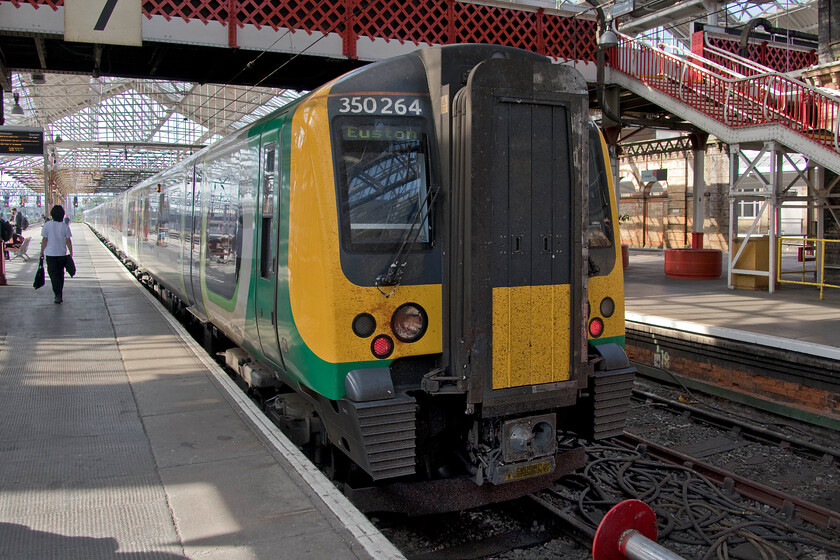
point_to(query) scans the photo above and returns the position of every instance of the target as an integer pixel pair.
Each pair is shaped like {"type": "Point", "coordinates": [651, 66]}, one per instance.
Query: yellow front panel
{"type": "Point", "coordinates": [611, 285]}
{"type": "Point", "coordinates": [323, 301]}
{"type": "Point", "coordinates": [531, 335]}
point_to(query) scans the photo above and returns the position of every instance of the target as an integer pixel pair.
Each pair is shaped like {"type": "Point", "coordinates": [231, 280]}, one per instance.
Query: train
{"type": "Point", "coordinates": [417, 265]}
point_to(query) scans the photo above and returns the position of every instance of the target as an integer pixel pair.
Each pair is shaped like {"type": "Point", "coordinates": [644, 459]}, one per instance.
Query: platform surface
{"type": "Point", "coordinates": [792, 312]}
{"type": "Point", "coordinates": [119, 440]}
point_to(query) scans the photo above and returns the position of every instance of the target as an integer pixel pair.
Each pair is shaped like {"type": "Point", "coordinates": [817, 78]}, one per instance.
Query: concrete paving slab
{"type": "Point", "coordinates": [92, 422]}
{"type": "Point", "coordinates": [211, 434]}
{"type": "Point", "coordinates": [793, 312]}
{"type": "Point", "coordinates": [175, 394]}
{"type": "Point", "coordinates": [291, 547]}
{"type": "Point", "coordinates": [250, 498]}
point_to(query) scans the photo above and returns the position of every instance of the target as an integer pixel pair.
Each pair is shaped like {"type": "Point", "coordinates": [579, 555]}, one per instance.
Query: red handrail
{"type": "Point", "coordinates": [734, 101]}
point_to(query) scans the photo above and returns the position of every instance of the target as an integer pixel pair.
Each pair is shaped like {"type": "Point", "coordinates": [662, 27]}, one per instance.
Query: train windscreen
{"type": "Point", "coordinates": [383, 183]}
{"type": "Point", "coordinates": [600, 230]}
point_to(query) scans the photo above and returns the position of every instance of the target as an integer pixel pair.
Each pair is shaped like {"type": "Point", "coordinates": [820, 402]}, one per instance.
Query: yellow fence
{"type": "Point", "coordinates": [808, 250]}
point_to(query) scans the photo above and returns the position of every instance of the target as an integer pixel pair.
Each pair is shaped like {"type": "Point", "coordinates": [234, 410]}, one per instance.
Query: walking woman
{"type": "Point", "coordinates": [55, 242]}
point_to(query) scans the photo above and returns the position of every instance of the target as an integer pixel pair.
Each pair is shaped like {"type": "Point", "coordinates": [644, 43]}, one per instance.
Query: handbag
{"type": "Point", "coordinates": [39, 274]}
{"type": "Point", "coordinates": [70, 266]}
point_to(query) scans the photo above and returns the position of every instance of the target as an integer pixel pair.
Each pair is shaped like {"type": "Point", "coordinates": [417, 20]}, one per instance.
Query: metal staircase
{"type": "Point", "coordinates": [752, 104]}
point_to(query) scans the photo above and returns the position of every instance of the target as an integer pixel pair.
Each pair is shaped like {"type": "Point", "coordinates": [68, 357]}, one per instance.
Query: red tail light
{"type": "Point", "coordinates": [382, 346]}
{"type": "Point", "coordinates": [596, 327]}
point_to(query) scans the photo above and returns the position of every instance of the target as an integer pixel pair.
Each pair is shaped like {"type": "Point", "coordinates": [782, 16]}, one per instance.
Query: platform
{"type": "Point", "coordinates": [779, 352]}
{"type": "Point", "coordinates": [119, 438]}
{"type": "Point", "coordinates": [792, 314]}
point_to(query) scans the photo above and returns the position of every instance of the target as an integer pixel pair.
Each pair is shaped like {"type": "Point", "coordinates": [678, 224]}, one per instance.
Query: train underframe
{"type": "Point", "coordinates": [402, 443]}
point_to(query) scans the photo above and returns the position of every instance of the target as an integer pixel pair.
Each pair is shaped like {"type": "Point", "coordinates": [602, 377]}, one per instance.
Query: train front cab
{"type": "Point", "coordinates": [523, 267]}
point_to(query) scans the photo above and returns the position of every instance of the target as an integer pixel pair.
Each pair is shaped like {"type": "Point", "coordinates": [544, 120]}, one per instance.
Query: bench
{"type": "Point", "coordinates": [21, 250]}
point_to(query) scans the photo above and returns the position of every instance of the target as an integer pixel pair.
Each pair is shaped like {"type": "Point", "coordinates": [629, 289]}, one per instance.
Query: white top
{"type": "Point", "coordinates": [56, 234]}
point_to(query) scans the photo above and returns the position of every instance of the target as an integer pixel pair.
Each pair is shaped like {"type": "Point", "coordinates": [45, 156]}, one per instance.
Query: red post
{"type": "Point", "coordinates": [698, 43]}
{"type": "Point", "coordinates": [231, 23]}
{"type": "Point", "coordinates": [349, 36]}
{"type": "Point", "coordinates": [697, 240]}
{"type": "Point", "coordinates": [698, 46]}
{"type": "Point", "coordinates": [451, 31]}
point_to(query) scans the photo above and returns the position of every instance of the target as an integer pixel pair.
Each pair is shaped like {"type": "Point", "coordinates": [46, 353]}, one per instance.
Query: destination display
{"type": "Point", "coordinates": [21, 141]}
{"type": "Point", "coordinates": [380, 132]}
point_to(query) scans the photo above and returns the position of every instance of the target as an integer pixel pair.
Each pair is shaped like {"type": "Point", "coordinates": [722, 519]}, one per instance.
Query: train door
{"type": "Point", "coordinates": [192, 236]}
{"type": "Point", "coordinates": [268, 208]}
{"type": "Point", "coordinates": [521, 154]}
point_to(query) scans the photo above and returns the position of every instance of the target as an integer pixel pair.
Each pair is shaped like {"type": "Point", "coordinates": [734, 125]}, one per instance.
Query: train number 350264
{"type": "Point", "coordinates": [368, 105]}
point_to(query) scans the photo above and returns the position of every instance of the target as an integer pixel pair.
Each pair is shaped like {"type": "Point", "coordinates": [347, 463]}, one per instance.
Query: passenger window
{"type": "Point", "coordinates": [268, 249]}
{"type": "Point", "coordinates": [221, 214]}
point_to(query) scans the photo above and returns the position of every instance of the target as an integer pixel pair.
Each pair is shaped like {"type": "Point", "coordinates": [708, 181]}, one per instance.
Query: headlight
{"type": "Point", "coordinates": [409, 322]}
{"type": "Point", "coordinates": [607, 307]}
{"type": "Point", "coordinates": [363, 325]}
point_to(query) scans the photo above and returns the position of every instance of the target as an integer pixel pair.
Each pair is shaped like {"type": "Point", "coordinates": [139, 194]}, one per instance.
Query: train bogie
{"type": "Point", "coordinates": [423, 257]}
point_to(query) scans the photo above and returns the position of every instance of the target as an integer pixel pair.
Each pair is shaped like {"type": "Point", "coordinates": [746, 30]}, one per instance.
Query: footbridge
{"type": "Point", "coordinates": [301, 43]}
{"type": "Point", "coordinates": [735, 99]}
{"type": "Point", "coordinates": [752, 108]}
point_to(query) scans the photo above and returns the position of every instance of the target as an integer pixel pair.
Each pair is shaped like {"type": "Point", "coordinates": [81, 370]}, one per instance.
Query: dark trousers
{"type": "Point", "coordinates": [55, 268]}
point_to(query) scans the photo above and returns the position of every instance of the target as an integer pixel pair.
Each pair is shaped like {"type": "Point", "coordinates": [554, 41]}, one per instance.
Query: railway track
{"type": "Point", "coordinates": [790, 506]}
{"type": "Point", "coordinates": [745, 429]}
{"type": "Point", "coordinates": [703, 512]}
{"type": "Point", "coordinates": [789, 380]}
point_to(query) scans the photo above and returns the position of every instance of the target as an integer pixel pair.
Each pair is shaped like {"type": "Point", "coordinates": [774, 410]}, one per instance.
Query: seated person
{"type": "Point", "coordinates": [15, 241]}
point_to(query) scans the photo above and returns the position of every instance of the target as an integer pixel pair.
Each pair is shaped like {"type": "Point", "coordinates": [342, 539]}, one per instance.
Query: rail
{"type": "Point", "coordinates": [754, 490]}
{"type": "Point", "coordinates": [773, 56]}
{"type": "Point", "coordinates": [809, 249]}
{"type": "Point", "coordinates": [734, 62]}
{"type": "Point", "coordinates": [729, 98]}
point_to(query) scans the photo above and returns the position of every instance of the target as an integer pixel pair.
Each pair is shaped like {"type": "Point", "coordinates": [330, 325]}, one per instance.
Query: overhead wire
{"type": "Point", "coordinates": [250, 65]}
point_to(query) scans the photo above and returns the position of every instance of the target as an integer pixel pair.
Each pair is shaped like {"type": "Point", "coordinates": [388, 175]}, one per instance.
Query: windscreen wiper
{"type": "Point", "coordinates": [392, 276]}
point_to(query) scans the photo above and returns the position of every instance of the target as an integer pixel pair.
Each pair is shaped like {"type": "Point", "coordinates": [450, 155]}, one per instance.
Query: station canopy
{"type": "Point", "coordinates": [105, 134]}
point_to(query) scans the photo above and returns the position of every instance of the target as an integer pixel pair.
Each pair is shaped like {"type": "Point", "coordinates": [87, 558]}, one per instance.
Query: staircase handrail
{"type": "Point", "coordinates": [756, 67]}
{"type": "Point", "coordinates": [704, 62]}
{"type": "Point", "coordinates": [775, 98]}
{"type": "Point", "coordinates": [735, 58]}
{"type": "Point", "coordinates": [760, 69]}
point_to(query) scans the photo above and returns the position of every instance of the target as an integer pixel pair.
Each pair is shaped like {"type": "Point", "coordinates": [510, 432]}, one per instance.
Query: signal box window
{"type": "Point", "coordinates": [383, 184]}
